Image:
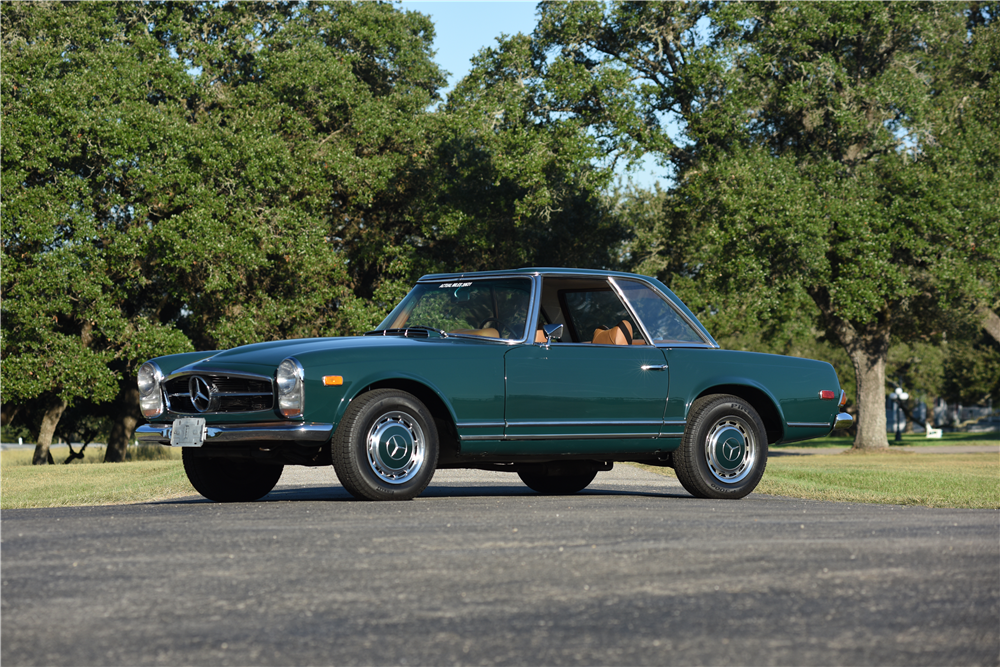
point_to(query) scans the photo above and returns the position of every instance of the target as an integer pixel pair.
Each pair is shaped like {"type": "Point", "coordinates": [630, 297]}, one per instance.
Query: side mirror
{"type": "Point", "coordinates": [552, 331]}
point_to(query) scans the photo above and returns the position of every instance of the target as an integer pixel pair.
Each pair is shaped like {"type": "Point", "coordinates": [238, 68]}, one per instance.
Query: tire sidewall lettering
{"type": "Point", "coordinates": [351, 447]}
{"type": "Point", "coordinates": [691, 459]}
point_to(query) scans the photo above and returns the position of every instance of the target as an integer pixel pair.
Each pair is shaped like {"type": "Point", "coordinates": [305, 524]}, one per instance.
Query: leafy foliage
{"type": "Point", "coordinates": [196, 175]}
{"type": "Point", "coordinates": [201, 175]}
{"type": "Point", "coordinates": [838, 160]}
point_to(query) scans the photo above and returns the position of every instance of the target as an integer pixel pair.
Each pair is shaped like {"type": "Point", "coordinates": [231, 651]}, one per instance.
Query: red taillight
{"type": "Point", "coordinates": [827, 395]}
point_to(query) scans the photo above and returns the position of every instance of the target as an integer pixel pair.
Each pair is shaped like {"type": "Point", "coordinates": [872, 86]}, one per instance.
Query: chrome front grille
{"type": "Point", "coordinates": [212, 392]}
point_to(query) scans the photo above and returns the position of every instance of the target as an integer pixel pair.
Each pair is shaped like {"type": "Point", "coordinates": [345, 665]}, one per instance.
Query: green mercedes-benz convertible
{"type": "Point", "coordinates": [553, 374]}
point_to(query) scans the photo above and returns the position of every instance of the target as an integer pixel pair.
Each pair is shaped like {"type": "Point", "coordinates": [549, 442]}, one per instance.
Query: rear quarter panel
{"type": "Point", "coordinates": [791, 384]}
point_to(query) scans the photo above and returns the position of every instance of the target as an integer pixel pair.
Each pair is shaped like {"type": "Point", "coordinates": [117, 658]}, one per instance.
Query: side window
{"type": "Point", "coordinates": [590, 311]}
{"type": "Point", "coordinates": [662, 321]}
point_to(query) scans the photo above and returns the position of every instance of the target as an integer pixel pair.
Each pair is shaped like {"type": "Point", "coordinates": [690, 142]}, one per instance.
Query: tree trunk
{"type": "Point", "coordinates": [868, 352]}
{"type": "Point", "coordinates": [53, 413]}
{"type": "Point", "coordinates": [126, 418]}
{"type": "Point", "coordinates": [991, 322]}
{"type": "Point", "coordinates": [868, 349]}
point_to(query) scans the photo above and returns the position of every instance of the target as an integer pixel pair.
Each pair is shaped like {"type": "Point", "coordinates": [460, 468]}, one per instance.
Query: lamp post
{"type": "Point", "coordinates": [897, 396]}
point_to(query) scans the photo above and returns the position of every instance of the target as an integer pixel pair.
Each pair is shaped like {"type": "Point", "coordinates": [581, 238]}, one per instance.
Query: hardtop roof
{"type": "Point", "coordinates": [530, 271]}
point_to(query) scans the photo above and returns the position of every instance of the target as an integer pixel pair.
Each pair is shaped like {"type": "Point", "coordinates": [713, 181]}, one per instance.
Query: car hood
{"type": "Point", "coordinates": [263, 358]}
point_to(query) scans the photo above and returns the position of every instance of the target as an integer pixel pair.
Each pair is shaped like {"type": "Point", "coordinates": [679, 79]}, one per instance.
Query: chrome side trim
{"type": "Point", "coordinates": [570, 436]}
{"type": "Point", "coordinates": [843, 420]}
{"type": "Point", "coordinates": [809, 424]}
{"type": "Point", "coordinates": [547, 424]}
{"type": "Point", "coordinates": [159, 434]}
{"type": "Point", "coordinates": [583, 436]}
{"type": "Point", "coordinates": [481, 425]}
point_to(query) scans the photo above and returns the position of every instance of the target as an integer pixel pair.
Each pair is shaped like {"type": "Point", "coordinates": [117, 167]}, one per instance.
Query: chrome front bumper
{"type": "Point", "coordinates": [159, 434]}
{"type": "Point", "coordinates": [843, 420]}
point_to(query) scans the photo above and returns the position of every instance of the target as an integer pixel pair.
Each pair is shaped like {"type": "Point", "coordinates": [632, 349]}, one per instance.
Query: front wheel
{"type": "Point", "coordinates": [386, 447]}
{"type": "Point", "coordinates": [230, 480]}
{"type": "Point", "coordinates": [724, 449]}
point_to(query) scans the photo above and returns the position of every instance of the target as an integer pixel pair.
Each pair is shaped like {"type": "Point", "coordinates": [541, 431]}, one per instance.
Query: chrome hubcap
{"type": "Point", "coordinates": [731, 450]}
{"type": "Point", "coordinates": [396, 447]}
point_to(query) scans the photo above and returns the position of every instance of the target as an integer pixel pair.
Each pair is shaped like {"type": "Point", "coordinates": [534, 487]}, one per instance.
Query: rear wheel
{"type": "Point", "coordinates": [230, 480]}
{"type": "Point", "coordinates": [557, 485]}
{"type": "Point", "coordinates": [386, 447]}
{"type": "Point", "coordinates": [724, 449]}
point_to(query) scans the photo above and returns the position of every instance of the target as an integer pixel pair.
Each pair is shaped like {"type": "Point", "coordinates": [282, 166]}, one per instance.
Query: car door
{"type": "Point", "coordinates": [582, 396]}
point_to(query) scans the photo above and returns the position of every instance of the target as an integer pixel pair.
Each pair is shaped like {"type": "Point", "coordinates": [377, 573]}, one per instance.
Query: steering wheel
{"type": "Point", "coordinates": [501, 327]}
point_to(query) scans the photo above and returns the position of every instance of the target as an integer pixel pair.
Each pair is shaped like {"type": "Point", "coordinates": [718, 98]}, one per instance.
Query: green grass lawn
{"type": "Point", "coordinates": [910, 440]}
{"type": "Point", "coordinates": [151, 475]}
{"type": "Point", "coordinates": [892, 477]}
{"type": "Point", "coordinates": [895, 478]}
{"type": "Point", "coordinates": [970, 481]}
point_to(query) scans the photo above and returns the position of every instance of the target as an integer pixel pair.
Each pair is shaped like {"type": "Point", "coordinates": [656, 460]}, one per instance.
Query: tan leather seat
{"type": "Point", "coordinates": [620, 334]}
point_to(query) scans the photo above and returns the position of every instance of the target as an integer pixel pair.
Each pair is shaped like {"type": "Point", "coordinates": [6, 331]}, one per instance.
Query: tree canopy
{"type": "Point", "coordinates": [200, 175]}
{"type": "Point", "coordinates": [196, 175]}
{"type": "Point", "coordinates": [838, 159]}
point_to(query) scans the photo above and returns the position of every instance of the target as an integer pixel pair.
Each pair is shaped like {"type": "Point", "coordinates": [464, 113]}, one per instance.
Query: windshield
{"type": "Point", "coordinates": [487, 308]}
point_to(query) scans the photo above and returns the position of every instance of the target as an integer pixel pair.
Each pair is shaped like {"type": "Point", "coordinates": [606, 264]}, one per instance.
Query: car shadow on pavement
{"type": "Point", "coordinates": [338, 494]}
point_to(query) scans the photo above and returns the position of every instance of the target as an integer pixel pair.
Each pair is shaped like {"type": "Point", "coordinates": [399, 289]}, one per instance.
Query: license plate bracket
{"type": "Point", "coordinates": [188, 432]}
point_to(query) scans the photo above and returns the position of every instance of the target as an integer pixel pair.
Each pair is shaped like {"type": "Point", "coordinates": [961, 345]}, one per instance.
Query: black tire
{"type": "Point", "coordinates": [375, 422]}
{"type": "Point", "coordinates": [557, 485]}
{"type": "Point", "coordinates": [230, 480]}
{"type": "Point", "coordinates": [724, 449]}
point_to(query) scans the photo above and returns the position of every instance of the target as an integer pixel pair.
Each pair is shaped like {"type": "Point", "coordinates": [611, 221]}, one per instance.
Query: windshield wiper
{"type": "Point", "coordinates": [441, 332]}
{"type": "Point", "coordinates": [405, 332]}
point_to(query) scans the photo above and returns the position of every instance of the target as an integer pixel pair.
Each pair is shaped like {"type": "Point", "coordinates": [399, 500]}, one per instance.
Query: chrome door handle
{"type": "Point", "coordinates": [651, 367]}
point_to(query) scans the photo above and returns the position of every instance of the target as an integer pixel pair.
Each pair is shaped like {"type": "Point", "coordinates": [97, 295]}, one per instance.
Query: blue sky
{"type": "Point", "coordinates": [464, 27]}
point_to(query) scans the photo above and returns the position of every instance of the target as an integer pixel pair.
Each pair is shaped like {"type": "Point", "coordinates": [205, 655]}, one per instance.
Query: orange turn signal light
{"type": "Point", "coordinates": [333, 380]}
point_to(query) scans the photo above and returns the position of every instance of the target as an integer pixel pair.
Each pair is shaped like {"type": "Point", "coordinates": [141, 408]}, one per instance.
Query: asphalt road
{"type": "Point", "coordinates": [479, 570]}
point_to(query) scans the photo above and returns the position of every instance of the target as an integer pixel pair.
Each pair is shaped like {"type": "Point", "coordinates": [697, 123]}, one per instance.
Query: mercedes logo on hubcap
{"type": "Point", "coordinates": [730, 450]}
{"type": "Point", "coordinates": [202, 393]}
{"type": "Point", "coordinates": [395, 447]}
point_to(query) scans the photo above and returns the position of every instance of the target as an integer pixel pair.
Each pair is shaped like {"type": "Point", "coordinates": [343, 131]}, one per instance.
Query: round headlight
{"type": "Point", "coordinates": [148, 378]}
{"type": "Point", "coordinates": [288, 376]}
{"type": "Point", "coordinates": [150, 398]}
{"type": "Point", "coordinates": [291, 389]}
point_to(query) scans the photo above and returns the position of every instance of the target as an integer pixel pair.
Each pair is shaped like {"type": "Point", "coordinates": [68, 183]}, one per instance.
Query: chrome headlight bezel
{"type": "Point", "coordinates": [149, 380]}
{"type": "Point", "coordinates": [289, 379]}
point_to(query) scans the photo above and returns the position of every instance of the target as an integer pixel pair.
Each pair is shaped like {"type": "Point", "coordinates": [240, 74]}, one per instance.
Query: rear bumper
{"type": "Point", "coordinates": [843, 420]}
{"type": "Point", "coordinates": [159, 434]}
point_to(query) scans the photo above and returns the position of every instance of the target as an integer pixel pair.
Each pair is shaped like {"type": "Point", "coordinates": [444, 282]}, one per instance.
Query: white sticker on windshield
{"type": "Point", "coordinates": [454, 285]}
